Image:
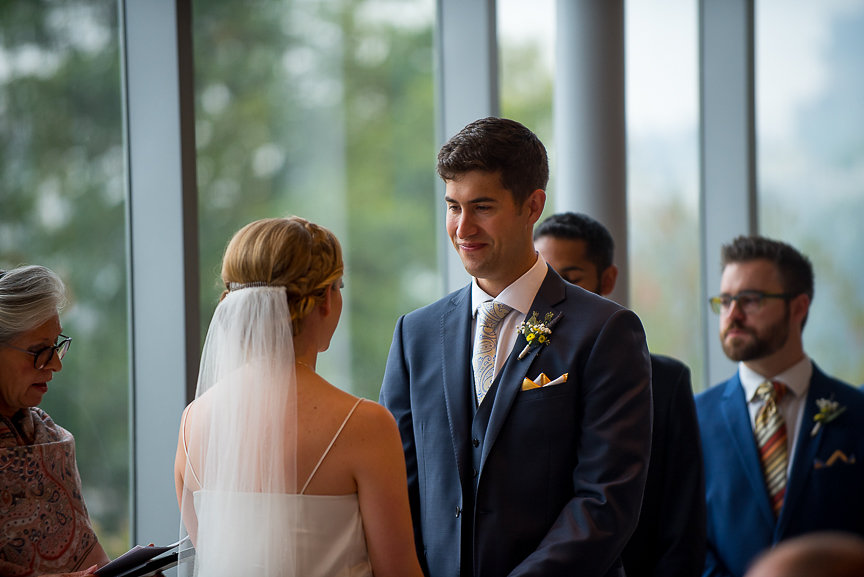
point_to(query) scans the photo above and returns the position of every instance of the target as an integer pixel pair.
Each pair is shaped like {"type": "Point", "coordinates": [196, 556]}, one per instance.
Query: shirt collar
{"type": "Point", "coordinates": [519, 294]}
{"type": "Point", "coordinates": [796, 378]}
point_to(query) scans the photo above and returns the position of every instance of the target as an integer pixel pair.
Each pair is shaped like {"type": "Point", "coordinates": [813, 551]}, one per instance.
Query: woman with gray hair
{"type": "Point", "coordinates": [44, 525]}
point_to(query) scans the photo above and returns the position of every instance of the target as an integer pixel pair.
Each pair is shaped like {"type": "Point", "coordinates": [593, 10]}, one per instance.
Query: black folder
{"type": "Point", "coordinates": [144, 561]}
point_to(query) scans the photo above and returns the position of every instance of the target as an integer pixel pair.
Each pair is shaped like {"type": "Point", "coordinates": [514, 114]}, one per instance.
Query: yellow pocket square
{"type": "Point", "coordinates": [542, 381]}
{"type": "Point", "coordinates": [837, 457]}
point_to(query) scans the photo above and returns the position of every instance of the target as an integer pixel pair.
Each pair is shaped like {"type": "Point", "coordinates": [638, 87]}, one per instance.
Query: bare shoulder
{"type": "Point", "coordinates": [376, 413]}
{"type": "Point", "coordinates": [372, 421]}
{"type": "Point", "coordinates": [369, 419]}
{"type": "Point", "coordinates": [372, 438]}
{"type": "Point", "coordinates": [369, 441]}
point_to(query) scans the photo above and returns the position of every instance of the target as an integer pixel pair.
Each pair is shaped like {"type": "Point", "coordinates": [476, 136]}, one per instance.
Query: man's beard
{"type": "Point", "coordinates": [758, 346]}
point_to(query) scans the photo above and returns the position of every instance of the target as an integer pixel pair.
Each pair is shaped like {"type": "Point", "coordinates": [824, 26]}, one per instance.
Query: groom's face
{"type": "Point", "coordinates": [491, 234]}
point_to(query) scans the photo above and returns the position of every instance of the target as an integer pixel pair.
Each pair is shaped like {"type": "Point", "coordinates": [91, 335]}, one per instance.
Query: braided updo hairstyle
{"type": "Point", "coordinates": [292, 252]}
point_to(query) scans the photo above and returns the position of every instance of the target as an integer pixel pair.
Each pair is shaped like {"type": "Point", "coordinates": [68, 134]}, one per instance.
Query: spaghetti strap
{"type": "Point", "coordinates": [330, 446]}
{"type": "Point", "coordinates": [186, 448]}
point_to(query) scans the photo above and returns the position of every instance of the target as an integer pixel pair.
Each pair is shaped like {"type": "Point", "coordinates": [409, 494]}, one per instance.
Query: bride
{"type": "Point", "coordinates": [278, 472]}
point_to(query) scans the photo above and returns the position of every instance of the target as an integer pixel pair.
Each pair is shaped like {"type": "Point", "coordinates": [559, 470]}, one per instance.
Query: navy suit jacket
{"type": "Point", "coordinates": [561, 468]}
{"type": "Point", "coordinates": [825, 488]}
{"type": "Point", "coordinates": [669, 540]}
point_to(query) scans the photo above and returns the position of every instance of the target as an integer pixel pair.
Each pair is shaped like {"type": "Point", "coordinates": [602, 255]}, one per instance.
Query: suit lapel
{"type": "Point", "coordinates": [806, 448]}
{"type": "Point", "coordinates": [510, 378]}
{"type": "Point", "coordinates": [456, 363]}
{"type": "Point", "coordinates": [737, 417]}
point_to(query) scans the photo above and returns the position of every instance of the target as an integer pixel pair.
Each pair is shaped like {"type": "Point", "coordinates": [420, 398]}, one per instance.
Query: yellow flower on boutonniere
{"type": "Point", "coordinates": [536, 332]}
{"type": "Point", "coordinates": [829, 409]}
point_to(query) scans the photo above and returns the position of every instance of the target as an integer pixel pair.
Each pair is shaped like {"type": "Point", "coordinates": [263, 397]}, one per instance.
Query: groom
{"type": "Point", "coordinates": [526, 446]}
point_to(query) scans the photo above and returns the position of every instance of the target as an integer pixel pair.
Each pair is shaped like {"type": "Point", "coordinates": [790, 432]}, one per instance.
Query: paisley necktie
{"type": "Point", "coordinates": [489, 317]}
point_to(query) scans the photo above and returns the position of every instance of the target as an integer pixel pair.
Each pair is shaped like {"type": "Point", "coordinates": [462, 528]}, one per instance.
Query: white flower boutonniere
{"type": "Point", "coordinates": [829, 409]}
{"type": "Point", "coordinates": [535, 332]}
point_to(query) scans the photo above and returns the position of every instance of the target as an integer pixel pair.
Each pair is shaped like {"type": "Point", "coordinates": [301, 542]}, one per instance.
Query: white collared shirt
{"type": "Point", "coordinates": [797, 381]}
{"type": "Point", "coordinates": [518, 296]}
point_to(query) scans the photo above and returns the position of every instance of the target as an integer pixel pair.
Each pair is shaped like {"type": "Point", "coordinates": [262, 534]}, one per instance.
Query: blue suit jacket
{"type": "Point", "coordinates": [669, 540]}
{"type": "Point", "coordinates": [562, 468]}
{"type": "Point", "coordinates": [824, 491]}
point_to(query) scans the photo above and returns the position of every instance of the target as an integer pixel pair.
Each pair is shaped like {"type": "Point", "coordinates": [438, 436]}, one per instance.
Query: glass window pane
{"type": "Point", "coordinates": [325, 110]}
{"type": "Point", "coordinates": [810, 114]}
{"type": "Point", "coordinates": [63, 206]}
{"type": "Point", "coordinates": [526, 53]}
{"type": "Point", "coordinates": [663, 176]}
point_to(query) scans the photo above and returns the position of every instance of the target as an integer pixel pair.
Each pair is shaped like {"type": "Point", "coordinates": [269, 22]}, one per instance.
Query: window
{"type": "Point", "coordinates": [663, 176]}
{"type": "Point", "coordinates": [810, 110]}
{"type": "Point", "coordinates": [63, 206]}
{"type": "Point", "coordinates": [526, 56]}
{"type": "Point", "coordinates": [324, 110]}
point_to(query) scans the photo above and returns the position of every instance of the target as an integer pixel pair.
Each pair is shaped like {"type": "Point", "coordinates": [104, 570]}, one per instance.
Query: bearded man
{"type": "Point", "coordinates": [782, 441]}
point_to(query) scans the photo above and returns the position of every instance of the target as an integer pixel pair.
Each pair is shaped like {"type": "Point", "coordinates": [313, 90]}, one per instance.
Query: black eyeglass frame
{"type": "Point", "coordinates": [61, 348]}
{"type": "Point", "coordinates": [723, 302]}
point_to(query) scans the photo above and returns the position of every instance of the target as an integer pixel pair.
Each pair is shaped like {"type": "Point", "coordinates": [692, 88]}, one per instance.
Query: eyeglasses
{"type": "Point", "coordinates": [749, 301]}
{"type": "Point", "coordinates": [43, 356]}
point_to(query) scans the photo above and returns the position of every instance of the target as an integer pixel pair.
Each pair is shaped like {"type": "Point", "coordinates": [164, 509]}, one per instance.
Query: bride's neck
{"type": "Point", "coordinates": [307, 360]}
{"type": "Point", "coordinates": [305, 351]}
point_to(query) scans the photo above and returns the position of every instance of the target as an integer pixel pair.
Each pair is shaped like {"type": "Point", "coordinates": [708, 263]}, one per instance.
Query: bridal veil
{"type": "Point", "coordinates": [241, 435]}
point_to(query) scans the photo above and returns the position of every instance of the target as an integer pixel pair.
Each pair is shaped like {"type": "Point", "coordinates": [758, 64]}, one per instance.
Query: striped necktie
{"type": "Point", "coordinates": [770, 431]}
{"type": "Point", "coordinates": [489, 317]}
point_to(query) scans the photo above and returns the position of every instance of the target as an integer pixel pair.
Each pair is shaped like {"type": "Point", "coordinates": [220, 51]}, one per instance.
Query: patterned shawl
{"type": "Point", "coordinates": [44, 526]}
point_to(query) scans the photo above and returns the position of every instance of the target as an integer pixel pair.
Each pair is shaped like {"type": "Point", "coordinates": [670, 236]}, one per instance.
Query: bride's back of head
{"type": "Point", "coordinates": [302, 256]}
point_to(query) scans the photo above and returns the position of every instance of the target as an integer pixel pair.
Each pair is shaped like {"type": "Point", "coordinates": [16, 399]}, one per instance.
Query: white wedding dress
{"type": "Point", "coordinates": [325, 537]}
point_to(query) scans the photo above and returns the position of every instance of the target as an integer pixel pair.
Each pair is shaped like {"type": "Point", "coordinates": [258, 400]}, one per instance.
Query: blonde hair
{"type": "Point", "coordinates": [302, 256]}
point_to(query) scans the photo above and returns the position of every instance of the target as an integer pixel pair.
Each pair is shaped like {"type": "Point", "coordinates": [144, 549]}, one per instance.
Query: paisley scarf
{"type": "Point", "coordinates": [44, 526]}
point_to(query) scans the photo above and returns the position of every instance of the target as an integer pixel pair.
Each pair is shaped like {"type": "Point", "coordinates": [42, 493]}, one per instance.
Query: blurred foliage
{"type": "Point", "coordinates": [324, 110]}
{"type": "Point", "coordinates": [527, 90]}
{"type": "Point", "coordinates": [62, 206]}
{"type": "Point", "coordinates": [665, 284]}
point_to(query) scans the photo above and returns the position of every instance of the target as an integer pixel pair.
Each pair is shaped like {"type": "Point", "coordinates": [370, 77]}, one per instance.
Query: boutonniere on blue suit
{"type": "Point", "coordinates": [537, 333]}
{"type": "Point", "coordinates": [829, 409]}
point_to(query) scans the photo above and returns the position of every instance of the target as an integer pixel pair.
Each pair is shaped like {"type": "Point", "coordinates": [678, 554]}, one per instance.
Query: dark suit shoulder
{"type": "Point", "coordinates": [670, 537]}
{"type": "Point", "coordinates": [434, 310]}
{"type": "Point", "coordinates": [670, 373]}
{"type": "Point", "coordinates": [599, 305]}
{"type": "Point", "coordinates": [585, 313]}
{"type": "Point", "coordinates": [672, 391]}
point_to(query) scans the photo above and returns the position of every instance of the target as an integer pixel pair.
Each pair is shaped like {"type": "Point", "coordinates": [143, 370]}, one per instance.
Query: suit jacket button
{"type": "Point", "coordinates": [474, 473]}
{"type": "Point", "coordinates": [458, 511]}
{"type": "Point", "coordinates": [475, 442]}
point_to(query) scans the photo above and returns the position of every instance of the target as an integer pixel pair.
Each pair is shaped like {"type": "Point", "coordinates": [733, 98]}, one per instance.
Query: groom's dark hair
{"type": "Point", "coordinates": [497, 145]}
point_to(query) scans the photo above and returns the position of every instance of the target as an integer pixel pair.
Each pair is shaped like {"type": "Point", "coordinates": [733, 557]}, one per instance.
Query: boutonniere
{"type": "Point", "coordinates": [535, 332]}
{"type": "Point", "coordinates": [829, 409]}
